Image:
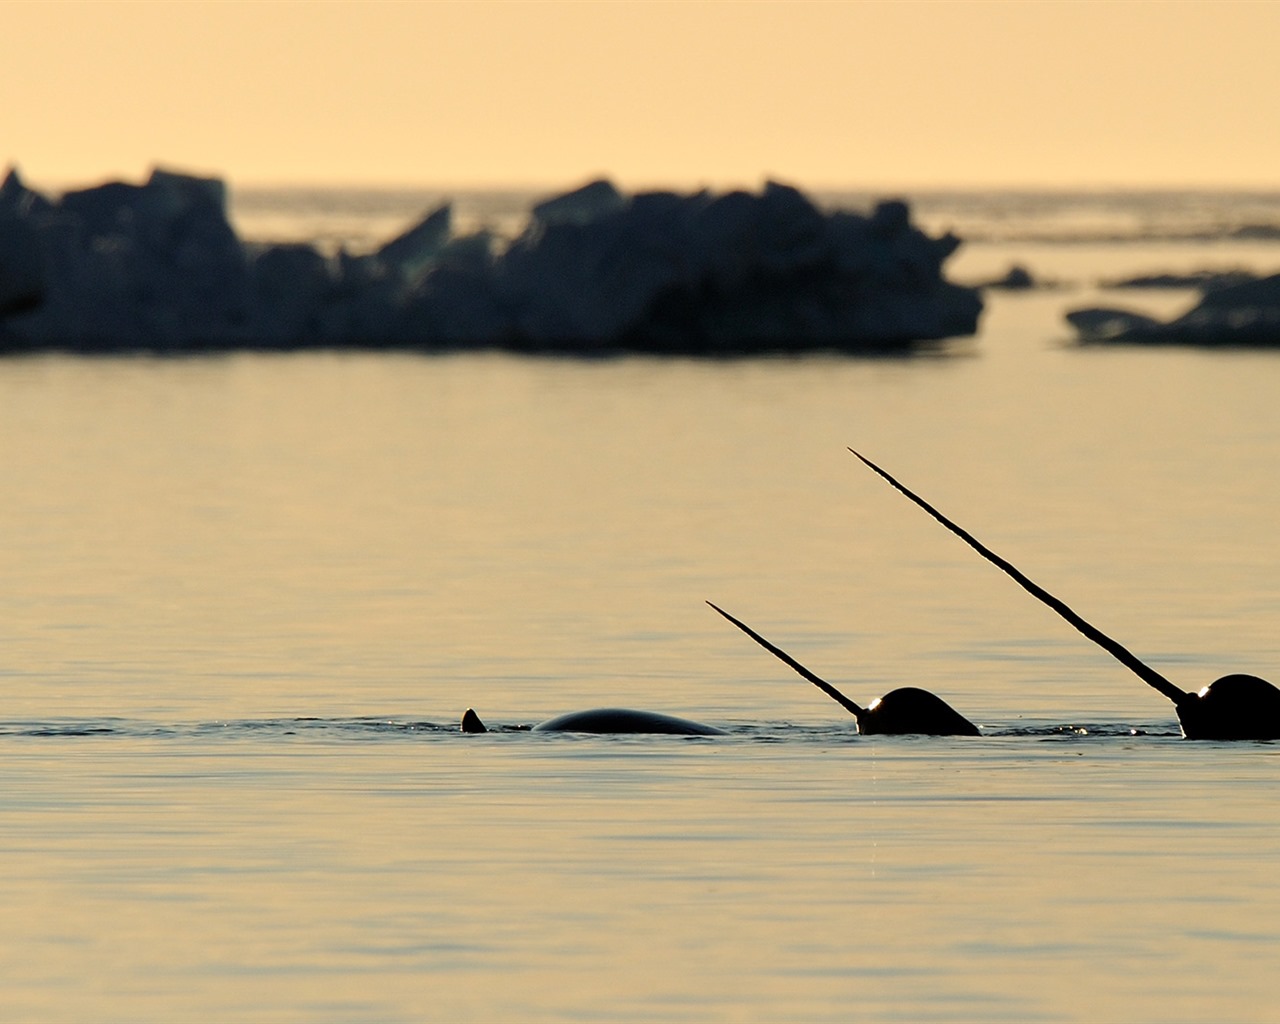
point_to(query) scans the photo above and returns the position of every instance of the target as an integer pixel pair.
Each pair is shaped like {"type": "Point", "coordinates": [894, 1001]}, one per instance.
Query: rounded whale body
{"type": "Point", "coordinates": [626, 720]}
{"type": "Point", "coordinates": [610, 721]}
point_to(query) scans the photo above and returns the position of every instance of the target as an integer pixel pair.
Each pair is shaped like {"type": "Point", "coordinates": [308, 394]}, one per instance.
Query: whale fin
{"type": "Point", "coordinates": [1122, 654]}
{"type": "Point", "coordinates": [471, 722]}
{"type": "Point", "coordinates": [778, 652]}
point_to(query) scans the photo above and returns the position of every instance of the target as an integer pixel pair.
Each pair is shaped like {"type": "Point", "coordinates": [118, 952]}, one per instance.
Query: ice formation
{"type": "Point", "coordinates": [158, 267]}
{"type": "Point", "coordinates": [1231, 311]}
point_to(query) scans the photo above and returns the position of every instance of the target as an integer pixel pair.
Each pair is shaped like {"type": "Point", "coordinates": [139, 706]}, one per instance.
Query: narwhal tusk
{"type": "Point", "coordinates": [778, 652]}
{"type": "Point", "coordinates": [1122, 654]}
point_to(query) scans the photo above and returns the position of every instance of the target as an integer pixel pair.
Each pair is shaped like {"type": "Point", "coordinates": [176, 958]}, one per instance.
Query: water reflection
{"type": "Point", "coordinates": [245, 602]}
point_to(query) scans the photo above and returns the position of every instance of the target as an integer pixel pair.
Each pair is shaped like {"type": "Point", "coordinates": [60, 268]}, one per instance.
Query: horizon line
{"type": "Point", "coordinates": [638, 183]}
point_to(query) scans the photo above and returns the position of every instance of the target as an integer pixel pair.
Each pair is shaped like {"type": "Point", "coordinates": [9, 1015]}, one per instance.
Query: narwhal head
{"type": "Point", "coordinates": [1235, 707]}
{"type": "Point", "coordinates": [905, 711]}
{"type": "Point", "coordinates": [911, 710]}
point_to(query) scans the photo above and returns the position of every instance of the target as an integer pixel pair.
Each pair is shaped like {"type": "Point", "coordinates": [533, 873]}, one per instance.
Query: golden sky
{"type": "Point", "coordinates": [899, 94]}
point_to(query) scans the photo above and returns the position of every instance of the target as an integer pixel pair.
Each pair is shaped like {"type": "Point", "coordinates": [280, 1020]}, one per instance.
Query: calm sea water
{"type": "Point", "coordinates": [245, 600]}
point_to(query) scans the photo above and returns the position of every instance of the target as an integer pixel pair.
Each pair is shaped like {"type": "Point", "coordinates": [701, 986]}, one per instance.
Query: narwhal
{"type": "Point", "coordinates": [1234, 707]}
{"type": "Point", "coordinates": [905, 711]}
{"type": "Point", "coordinates": [609, 720]}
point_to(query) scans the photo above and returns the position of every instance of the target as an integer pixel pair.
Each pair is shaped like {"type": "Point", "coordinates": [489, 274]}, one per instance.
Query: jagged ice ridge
{"type": "Point", "coordinates": [159, 267]}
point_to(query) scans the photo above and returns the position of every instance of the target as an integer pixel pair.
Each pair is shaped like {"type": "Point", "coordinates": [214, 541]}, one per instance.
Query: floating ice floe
{"type": "Point", "coordinates": [158, 267]}
{"type": "Point", "coordinates": [1243, 312]}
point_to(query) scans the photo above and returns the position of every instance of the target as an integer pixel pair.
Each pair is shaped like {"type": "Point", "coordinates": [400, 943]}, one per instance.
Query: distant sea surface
{"type": "Point", "coordinates": [245, 599]}
{"type": "Point", "coordinates": [361, 218]}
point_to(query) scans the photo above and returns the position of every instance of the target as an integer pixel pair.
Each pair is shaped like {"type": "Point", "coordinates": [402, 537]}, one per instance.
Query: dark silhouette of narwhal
{"type": "Point", "coordinates": [1234, 707]}
{"type": "Point", "coordinates": [902, 712]}
{"type": "Point", "coordinates": [610, 720]}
